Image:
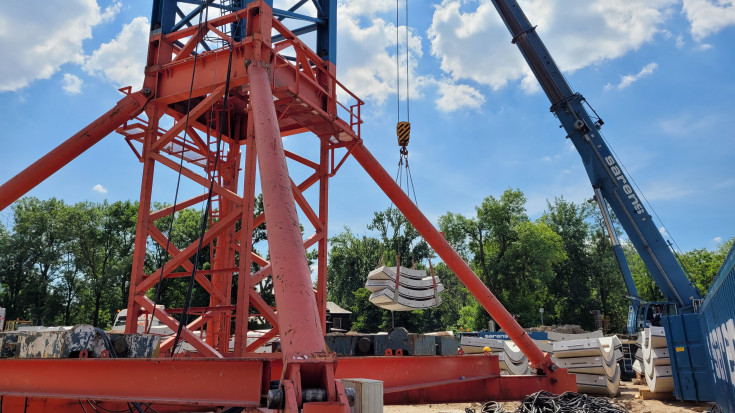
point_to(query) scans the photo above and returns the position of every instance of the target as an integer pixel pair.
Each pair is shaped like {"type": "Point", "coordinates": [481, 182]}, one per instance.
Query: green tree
{"type": "Point", "coordinates": [570, 292]}
{"type": "Point", "coordinates": [102, 244]}
{"type": "Point", "coordinates": [702, 264]}
{"type": "Point", "coordinates": [350, 260]}
{"type": "Point", "coordinates": [513, 256]}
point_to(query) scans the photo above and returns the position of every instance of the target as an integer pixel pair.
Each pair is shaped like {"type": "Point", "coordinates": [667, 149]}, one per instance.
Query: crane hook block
{"type": "Point", "coordinates": [403, 130]}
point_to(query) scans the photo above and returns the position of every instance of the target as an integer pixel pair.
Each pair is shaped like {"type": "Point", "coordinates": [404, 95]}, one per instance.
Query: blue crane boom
{"type": "Point", "coordinates": [605, 172]}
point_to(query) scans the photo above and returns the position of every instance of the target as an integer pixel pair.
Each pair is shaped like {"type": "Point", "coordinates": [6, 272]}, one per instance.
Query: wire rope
{"type": "Point", "coordinates": [157, 295]}
{"type": "Point", "coordinates": [408, 92]}
{"type": "Point", "coordinates": [187, 302]}
{"type": "Point", "coordinates": [568, 402]}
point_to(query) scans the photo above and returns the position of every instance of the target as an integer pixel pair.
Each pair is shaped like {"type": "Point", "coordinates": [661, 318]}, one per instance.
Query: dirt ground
{"type": "Point", "coordinates": [626, 398]}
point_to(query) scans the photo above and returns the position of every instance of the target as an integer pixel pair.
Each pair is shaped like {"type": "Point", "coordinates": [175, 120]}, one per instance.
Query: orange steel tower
{"type": "Point", "coordinates": [254, 82]}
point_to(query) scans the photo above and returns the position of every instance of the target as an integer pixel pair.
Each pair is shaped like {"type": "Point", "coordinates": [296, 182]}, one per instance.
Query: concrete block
{"type": "Point", "coordinates": [368, 395]}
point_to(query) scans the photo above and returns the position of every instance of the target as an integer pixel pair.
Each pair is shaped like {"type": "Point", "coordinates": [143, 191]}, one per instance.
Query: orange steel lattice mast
{"type": "Point", "coordinates": [275, 86]}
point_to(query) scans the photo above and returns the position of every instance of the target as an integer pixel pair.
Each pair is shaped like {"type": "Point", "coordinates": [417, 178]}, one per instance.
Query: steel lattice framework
{"type": "Point", "coordinates": [275, 86]}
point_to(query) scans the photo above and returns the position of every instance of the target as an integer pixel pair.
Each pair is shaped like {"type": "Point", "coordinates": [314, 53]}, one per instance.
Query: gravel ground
{"type": "Point", "coordinates": [626, 398]}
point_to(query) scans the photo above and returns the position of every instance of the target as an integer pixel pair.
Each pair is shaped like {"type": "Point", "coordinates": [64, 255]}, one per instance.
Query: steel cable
{"type": "Point", "coordinates": [569, 402]}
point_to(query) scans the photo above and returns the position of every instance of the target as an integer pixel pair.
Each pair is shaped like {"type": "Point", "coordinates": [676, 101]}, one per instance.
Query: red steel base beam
{"type": "Point", "coordinates": [128, 107]}
{"type": "Point", "coordinates": [195, 381]}
{"type": "Point", "coordinates": [204, 383]}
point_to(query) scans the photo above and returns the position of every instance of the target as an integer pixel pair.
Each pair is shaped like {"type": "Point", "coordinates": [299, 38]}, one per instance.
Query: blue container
{"type": "Point", "coordinates": [690, 362]}
{"type": "Point", "coordinates": [718, 324]}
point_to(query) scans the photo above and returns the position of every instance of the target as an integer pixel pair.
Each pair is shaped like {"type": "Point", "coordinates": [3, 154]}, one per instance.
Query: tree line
{"type": "Point", "coordinates": [66, 264]}
{"type": "Point", "coordinates": [561, 262]}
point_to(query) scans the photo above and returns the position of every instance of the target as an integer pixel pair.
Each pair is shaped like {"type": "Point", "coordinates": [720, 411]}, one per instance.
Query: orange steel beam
{"type": "Point", "coordinates": [211, 382]}
{"type": "Point", "coordinates": [297, 313]}
{"type": "Point", "coordinates": [128, 107]}
{"type": "Point", "coordinates": [181, 205]}
{"type": "Point", "coordinates": [487, 299]}
{"type": "Point", "coordinates": [192, 382]}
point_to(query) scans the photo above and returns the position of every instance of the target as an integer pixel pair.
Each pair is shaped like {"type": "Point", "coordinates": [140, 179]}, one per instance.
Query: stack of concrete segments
{"type": "Point", "coordinates": [594, 361]}
{"type": "Point", "coordinates": [416, 290]}
{"type": "Point", "coordinates": [511, 359]}
{"type": "Point", "coordinates": [554, 336]}
{"type": "Point", "coordinates": [655, 356]}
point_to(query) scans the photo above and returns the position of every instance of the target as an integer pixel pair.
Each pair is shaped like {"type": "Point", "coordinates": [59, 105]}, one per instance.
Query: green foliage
{"type": "Point", "coordinates": [350, 260]}
{"type": "Point", "coordinates": [65, 264]}
{"type": "Point", "coordinates": [570, 293]}
{"type": "Point", "coordinates": [702, 265]}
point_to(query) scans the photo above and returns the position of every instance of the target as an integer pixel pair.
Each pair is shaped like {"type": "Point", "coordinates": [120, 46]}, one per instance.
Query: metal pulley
{"type": "Point", "coordinates": [403, 131]}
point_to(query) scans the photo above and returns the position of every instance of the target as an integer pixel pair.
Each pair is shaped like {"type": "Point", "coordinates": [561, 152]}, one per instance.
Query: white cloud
{"type": "Point", "coordinates": [454, 96]}
{"type": "Point", "coordinates": [680, 41]}
{"type": "Point", "coordinates": [717, 239]}
{"type": "Point", "coordinates": [38, 40]}
{"type": "Point", "coordinates": [121, 61]}
{"type": "Point", "coordinates": [99, 188]}
{"type": "Point", "coordinates": [367, 52]}
{"type": "Point", "coordinates": [471, 42]}
{"type": "Point", "coordinates": [72, 84]}
{"type": "Point", "coordinates": [663, 231]}
{"type": "Point", "coordinates": [628, 80]}
{"type": "Point", "coordinates": [709, 16]}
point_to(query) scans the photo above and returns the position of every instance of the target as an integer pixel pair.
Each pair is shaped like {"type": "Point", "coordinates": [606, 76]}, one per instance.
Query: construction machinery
{"type": "Point", "coordinates": [232, 86]}
{"type": "Point", "coordinates": [613, 189]}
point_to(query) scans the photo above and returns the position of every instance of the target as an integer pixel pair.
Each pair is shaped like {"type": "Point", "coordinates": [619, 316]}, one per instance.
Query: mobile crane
{"type": "Point", "coordinates": [697, 370]}
{"type": "Point", "coordinates": [611, 186]}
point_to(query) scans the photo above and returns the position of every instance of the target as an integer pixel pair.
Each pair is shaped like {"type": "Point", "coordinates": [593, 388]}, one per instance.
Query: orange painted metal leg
{"type": "Point", "coordinates": [487, 299]}
{"type": "Point", "coordinates": [298, 319]}
{"type": "Point", "coordinates": [128, 107]}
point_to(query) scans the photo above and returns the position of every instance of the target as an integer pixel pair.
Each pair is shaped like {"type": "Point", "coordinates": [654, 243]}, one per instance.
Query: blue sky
{"type": "Point", "coordinates": [659, 72]}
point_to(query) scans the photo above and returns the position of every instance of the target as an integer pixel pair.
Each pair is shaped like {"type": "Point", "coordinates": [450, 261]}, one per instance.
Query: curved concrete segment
{"type": "Point", "coordinates": [599, 384]}
{"type": "Point", "coordinates": [581, 348]}
{"type": "Point", "coordinates": [416, 290]}
{"type": "Point", "coordinates": [378, 285]}
{"type": "Point", "coordinates": [389, 273]}
{"type": "Point", "coordinates": [655, 360]}
{"type": "Point", "coordinates": [386, 299]}
{"type": "Point", "coordinates": [554, 336]}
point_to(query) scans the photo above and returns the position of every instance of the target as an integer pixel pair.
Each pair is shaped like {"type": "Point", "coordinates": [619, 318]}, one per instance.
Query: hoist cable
{"type": "Point", "coordinates": [398, 68]}
{"type": "Point", "coordinates": [408, 92]}
{"type": "Point", "coordinates": [165, 254]}
{"type": "Point", "coordinates": [202, 228]}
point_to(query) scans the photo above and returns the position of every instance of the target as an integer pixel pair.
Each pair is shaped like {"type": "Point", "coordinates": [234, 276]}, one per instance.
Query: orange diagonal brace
{"type": "Point", "coordinates": [161, 239]}
{"type": "Point", "coordinates": [187, 252]}
{"type": "Point", "coordinates": [181, 205]}
{"type": "Point", "coordinates": [204, 349]}
{"type": "Point", "coordinates": [265, 310]}
{"type": "Point", "coordinates": [305, 207]}
{"type": "Point", "coordinates": [484, 296]}
{"type": "Point", "coordinates": [262, 339]}
{"type": "Point", "coordinates": [194, 325]}
{"type": "Point", "coordinates": [128, 107]}
{"type": "Point", "coordinates": [218, 189]}
{"type": "Point", "coordinates": [181, 123]}
{"type": "Point", "coordinates": [191, 44]}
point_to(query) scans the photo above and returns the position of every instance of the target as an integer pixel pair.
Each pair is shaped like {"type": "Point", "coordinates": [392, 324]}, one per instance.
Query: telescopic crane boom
{"type": "Point", "coordinates": [608, 179]}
